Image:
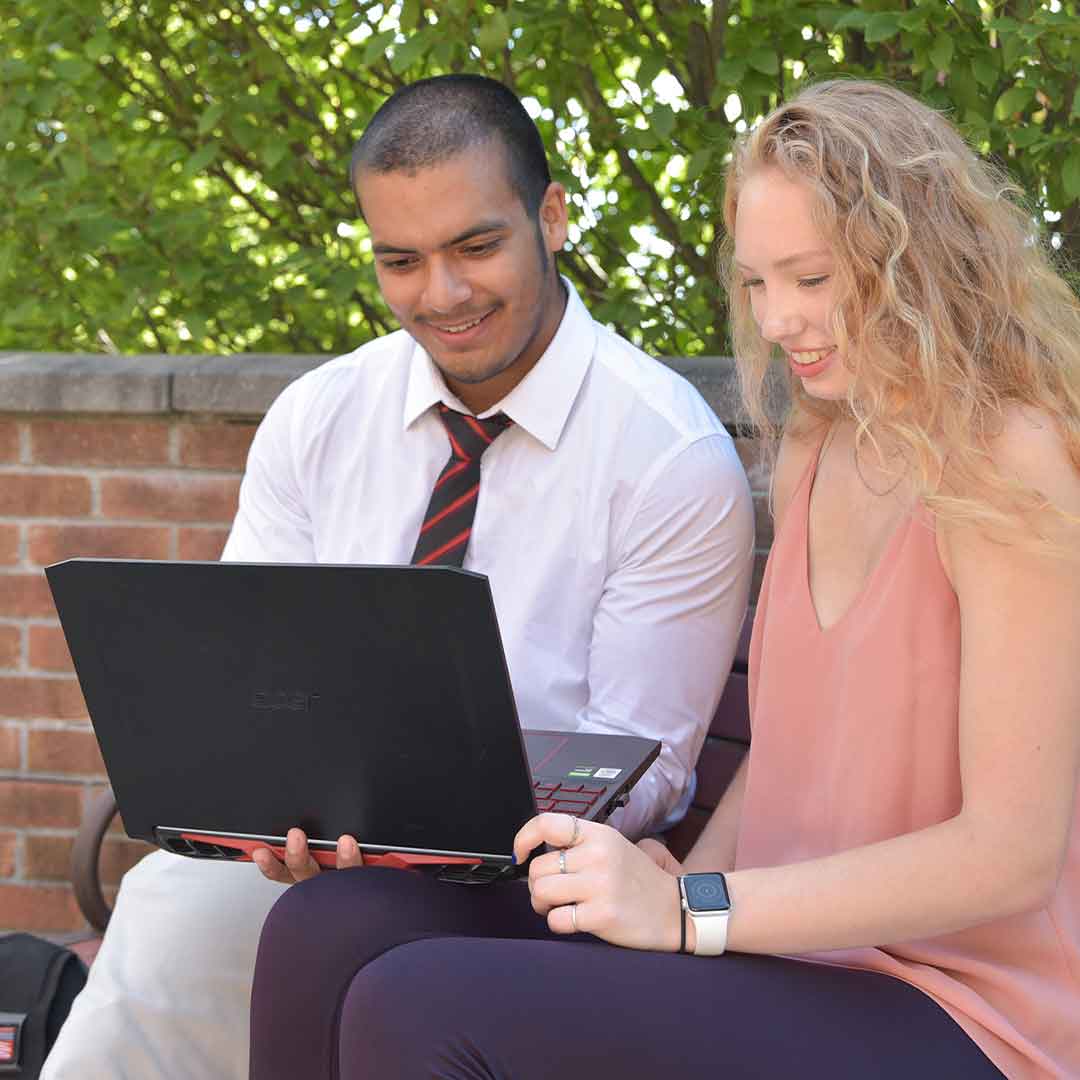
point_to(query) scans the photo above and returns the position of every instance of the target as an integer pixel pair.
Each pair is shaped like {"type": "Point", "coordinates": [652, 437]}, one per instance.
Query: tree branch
{"type": "Point", "coordinates": [608, 127]}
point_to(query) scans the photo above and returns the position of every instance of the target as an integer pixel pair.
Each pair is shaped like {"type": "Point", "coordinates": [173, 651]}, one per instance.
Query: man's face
{"type": "Point", "coordinates": [465, 270]}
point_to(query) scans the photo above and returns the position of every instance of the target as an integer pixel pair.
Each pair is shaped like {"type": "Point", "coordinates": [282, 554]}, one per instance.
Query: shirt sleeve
{"type": "Point", "coordinates": [665, 631]}
{"type": "Point", "coordinates": [272, 523]}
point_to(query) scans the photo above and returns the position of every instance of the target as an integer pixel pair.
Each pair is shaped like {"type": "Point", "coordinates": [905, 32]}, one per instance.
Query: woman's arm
{"type": "Point", "coordinates": [1019, 759]}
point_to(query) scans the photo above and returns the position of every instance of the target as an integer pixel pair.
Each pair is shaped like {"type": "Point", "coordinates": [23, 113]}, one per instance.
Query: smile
{"type": "Point", "coordinates": [809, 356]}
{"type": "Point", "coordinates": [461, 328]}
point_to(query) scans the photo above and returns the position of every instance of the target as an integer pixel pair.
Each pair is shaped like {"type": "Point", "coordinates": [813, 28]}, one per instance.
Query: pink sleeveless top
{"type": "Point", "coordinates": [855, 740]}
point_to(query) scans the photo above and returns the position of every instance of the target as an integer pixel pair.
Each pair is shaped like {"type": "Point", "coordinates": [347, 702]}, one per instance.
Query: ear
{"type": "Point", "coordinates": [552, 217]}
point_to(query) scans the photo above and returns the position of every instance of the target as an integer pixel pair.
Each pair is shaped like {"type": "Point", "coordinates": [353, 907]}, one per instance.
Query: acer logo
{"type": "Point", "coordinates": [296, 700]}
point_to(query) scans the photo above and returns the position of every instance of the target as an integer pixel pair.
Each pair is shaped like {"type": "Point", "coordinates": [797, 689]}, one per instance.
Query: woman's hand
{"type": "Point", "coordinates": [602, 884]}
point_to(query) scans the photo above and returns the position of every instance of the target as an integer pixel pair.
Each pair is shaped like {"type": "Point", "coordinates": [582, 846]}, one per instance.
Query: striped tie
{"type": "Point", "coordinates": [444, 536]}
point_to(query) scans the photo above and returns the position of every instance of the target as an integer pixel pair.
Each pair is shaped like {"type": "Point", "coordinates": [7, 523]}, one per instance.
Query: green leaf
{"type": "Point", "coordinates": [880, 26]}
{"type": "Point", "coordinates": [200, 159]}
{"type": "Point", "coordinates": [699, 161]}
{"type": "Point", "coordinates": [103, 151]}
{"type": "Point", "coordinates": [651, 64]}
{"type": "Point", "coordinates": [1013, 48]}
{"type": "Point", "coordinates": [728, 74]}
{"type": "Point", "coordinates": [494, 34]}
{"type": "Point", "coordinates": [273, 152]}
{"type": "Point", "coordinates": [375, 47]}
{"type": "Point", "coordinates": [442, 55]}
{"type": "Point", "coordinates": [1014, 101]}
{"type": "Point", "coordinates": [188, 274]}
{"type": "Point", "coordinates": [73, 165]}
{"type": "Point", "coordinates": [11, 120]}
{"type": "Point", "coordinates": [98, 46]}
{"type": "Point", "coordinates": [662, 121]}
{"type": "Point", "coordinates": [764, 60]}
{"type": "Point", "coordinates": [986, 70]}
{"type": "Point", "coordinates": [852, 20]}
{"type": "Point", "coordinates": [341, 284]}
{"type": "Point", "coordinates": [1070, 174]}
{"type": "Point", "coordinates": [210, 117]}
{"type": "Point", "coordinates": [408, 52]}
{"type": "Point", "coordinates": [941, 52]}
{"type": "Point", "coordinates": [99, 231]}
{"type": "Point", "coordinates": [1025, 135]}
{"type": "Point", "coordinates": [72, 69]}
{"type": "Point", "coordinates": [1075, 104]}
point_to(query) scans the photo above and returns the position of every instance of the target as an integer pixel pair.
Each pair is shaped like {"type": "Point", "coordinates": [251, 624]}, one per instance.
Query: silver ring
{"type": "Point", "coordinates": [577, 830]}
{"type": "Point", "coordinates": [562, 860]}
{"type": "Point", "coordinates": [573, 917]}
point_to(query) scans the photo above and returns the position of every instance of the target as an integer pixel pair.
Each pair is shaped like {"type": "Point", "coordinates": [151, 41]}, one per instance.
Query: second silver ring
{"type": "Point", "coordinates": [562, 860]}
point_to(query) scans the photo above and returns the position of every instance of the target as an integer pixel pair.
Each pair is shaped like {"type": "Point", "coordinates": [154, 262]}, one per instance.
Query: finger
{"type": "Point", "coordinates": [297, 857]}
{"type": "Point", "coordinates": [569, 919]}
{"type": "Point", "coordinates": [271, 866]}
{"type": "Point", "coordinates": [556, 890]}
{"type": "Point", "coordinates": [548, 863]}
{"type": "Point", "coordinates": [558, 830]}
{"type": "Point", "coordinates": [531, 835]}
{"type": "Point", "coordinates": [348, 853]}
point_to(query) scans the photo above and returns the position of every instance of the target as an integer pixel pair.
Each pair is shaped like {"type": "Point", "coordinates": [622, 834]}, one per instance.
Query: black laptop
{"type": "Point", "coordinates": [232, 701]}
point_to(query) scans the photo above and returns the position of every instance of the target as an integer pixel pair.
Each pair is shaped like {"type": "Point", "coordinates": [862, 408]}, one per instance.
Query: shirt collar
{"type": "Point", "coordinates": [541, 402]}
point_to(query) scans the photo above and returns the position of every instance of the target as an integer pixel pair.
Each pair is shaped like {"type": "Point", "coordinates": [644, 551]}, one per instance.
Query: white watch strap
{"type": "Point", "coordinates": [710, 932]}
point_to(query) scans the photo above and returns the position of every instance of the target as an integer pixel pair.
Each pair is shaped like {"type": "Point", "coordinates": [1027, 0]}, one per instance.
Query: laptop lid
{"type": "Point", "coordinates": [238, 700]}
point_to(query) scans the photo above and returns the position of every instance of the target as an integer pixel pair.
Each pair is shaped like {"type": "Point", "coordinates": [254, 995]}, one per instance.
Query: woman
{"type": "Point", "coordinates": [901, 851]}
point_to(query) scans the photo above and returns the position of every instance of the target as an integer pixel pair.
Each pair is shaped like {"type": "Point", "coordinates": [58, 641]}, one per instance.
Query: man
{"type": "Point", "coordinates": [608, 510]}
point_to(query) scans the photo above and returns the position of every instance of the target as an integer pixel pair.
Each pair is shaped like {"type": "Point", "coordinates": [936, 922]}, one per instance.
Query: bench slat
{"type": "Point", "coordinates": [732, 717]}
{"type": "Point", "coordinates": [716, 766]}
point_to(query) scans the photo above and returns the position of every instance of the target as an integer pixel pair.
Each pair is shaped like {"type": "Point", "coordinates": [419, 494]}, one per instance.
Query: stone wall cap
{"type": "Point", "coordinates": [84, 382]}
{"type": "Point", "coordinates": [243, 384]}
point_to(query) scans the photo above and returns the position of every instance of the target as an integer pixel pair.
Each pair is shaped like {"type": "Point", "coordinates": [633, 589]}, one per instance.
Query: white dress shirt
{"type": "Point", "coordinates": [614, 522]}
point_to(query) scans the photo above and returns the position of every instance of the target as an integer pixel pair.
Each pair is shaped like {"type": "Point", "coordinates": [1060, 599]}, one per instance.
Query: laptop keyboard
{"type": "Point", "coordinates": [566, 796]}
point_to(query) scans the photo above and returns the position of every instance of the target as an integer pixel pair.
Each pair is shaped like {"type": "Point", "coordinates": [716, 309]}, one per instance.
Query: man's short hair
{"type": "Point", "coordinates": [428, 122]}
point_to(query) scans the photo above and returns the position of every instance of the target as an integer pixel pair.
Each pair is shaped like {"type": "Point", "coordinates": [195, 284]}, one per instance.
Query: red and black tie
{"type": "Point", "coordinates": [444, 536]}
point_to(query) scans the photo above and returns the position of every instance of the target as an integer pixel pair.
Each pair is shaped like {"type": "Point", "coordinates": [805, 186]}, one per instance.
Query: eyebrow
{"type": "Point", "coordinates": [788, 260]}
{"type": "Point", "coordinates": [481, 228]}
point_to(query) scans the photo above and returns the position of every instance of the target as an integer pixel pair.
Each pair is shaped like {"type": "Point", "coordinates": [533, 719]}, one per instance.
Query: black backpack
{"type": "Point", "coordinates": [38, 983]}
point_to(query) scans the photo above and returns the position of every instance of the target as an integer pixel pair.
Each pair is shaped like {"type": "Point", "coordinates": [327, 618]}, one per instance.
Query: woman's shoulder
{"type": "Point", "coordinates": [1030, 447]}
{"type": "Point", "coordinates": [1036, 466]}
{"type": "Point", "coordinates": [799, 444]}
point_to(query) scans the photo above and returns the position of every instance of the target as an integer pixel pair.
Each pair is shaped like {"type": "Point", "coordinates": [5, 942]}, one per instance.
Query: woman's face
{"type": "Point", "coordinates": [786, 265]}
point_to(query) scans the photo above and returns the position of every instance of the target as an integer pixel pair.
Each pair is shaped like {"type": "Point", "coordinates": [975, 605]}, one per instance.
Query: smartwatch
{"type": "Point", "coordinates": [705, 900]}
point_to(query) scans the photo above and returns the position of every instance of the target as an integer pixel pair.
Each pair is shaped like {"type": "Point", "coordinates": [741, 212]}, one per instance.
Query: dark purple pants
{"type": "Point", "coordinates": [383, 973]}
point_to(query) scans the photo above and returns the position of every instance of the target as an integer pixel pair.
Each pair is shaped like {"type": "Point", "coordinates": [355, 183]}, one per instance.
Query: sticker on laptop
{"type": "Point", "coordinates": [606, 774]}
{"type": "Point", "coordinates": [582, 771]}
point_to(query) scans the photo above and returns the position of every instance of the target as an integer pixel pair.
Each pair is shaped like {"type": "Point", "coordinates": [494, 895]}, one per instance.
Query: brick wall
{"type": "Point", "coordinates": [136, 457]}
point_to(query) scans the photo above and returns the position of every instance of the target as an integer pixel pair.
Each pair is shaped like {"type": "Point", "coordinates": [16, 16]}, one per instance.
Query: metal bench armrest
{"type": "Point", "coordinates": [85, 856]}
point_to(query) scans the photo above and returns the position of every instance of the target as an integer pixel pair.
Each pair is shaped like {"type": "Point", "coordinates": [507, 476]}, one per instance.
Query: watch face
{"type": "Point", "coordinates": [706, 892]}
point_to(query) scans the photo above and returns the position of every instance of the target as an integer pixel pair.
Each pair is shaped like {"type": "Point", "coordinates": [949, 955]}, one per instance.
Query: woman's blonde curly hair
{"type": "Point", "coordinates": [950, 312]}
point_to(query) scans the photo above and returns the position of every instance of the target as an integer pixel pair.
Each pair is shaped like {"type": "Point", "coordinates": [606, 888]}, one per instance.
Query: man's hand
{"type": "Point", "coordinates": [298, 864]}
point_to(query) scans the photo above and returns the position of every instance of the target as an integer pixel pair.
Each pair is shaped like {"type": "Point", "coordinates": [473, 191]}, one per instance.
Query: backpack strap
{"type": "Point", "coordinates": [38, 982]}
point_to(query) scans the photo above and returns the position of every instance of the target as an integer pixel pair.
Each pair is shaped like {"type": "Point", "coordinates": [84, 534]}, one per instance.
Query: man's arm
{"type": "Point", "coordinates": [665, 631]}
{"type": "Point", "coordinates": [272, 523]}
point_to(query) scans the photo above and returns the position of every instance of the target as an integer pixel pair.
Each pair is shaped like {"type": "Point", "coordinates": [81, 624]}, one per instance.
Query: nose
{"type": "Point", "coordinates": [446, 289]}
{"type": "Point", "coordinates": [779, 316]}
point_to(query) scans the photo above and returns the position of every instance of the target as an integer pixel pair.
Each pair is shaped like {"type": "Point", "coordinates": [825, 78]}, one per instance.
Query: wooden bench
{"type": "Point", "coordinates": [725, 745]}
